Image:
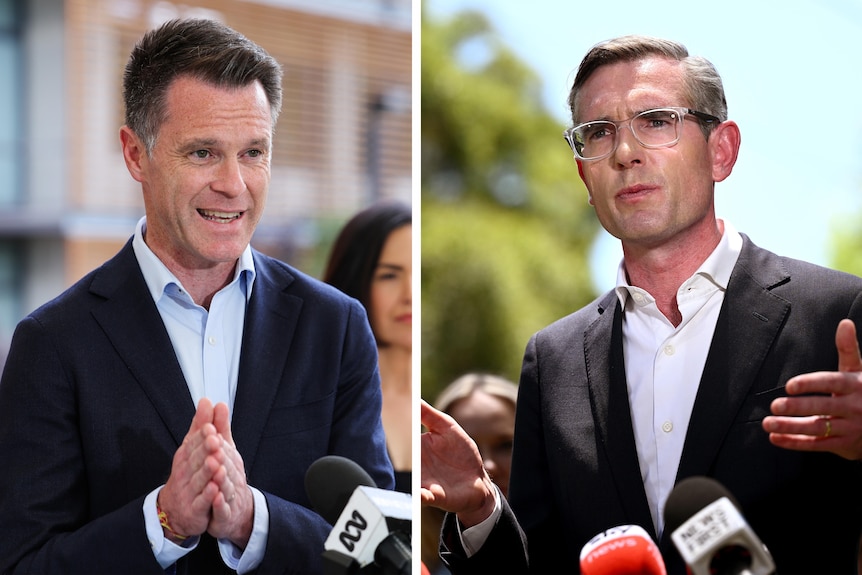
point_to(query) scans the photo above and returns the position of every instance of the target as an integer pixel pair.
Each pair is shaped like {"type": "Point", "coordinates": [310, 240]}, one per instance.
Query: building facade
{"type": "Point", "coordinates": [67, 202]}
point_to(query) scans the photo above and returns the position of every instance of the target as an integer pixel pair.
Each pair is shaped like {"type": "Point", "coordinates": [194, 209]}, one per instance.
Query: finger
{"type": "Point", "coordinates": [221, 509]}
{"type": "Point", "coordinates": [199, 446]}
{"type": "Point", "coordinates": [807, 405]}
{"type": "Point", "coordinates": [203, 415]}
{"type": "Point", "coordinates": [230, 478]}
{"type": "Point", "coordinates": [811, 426]}
{"type": "Point", "coordinates": [433, 419]}
{"type": "Point", "coordinates": [221, 420]}
{"type": "Point", "coordinates": [849, 358]}
{"type": "Point", "coordinates": [824, 383]}
{"type": "Point", "coordinates": [203, 475]}
{"type": "Point", "coordinates": [201, 504]}
{"type": "Point", "coordinates": [798, 442]}
{"type": "Point", "coordinates": [231, 459]}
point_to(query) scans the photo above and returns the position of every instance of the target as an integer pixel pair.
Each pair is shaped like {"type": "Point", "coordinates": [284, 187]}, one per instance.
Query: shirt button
{"type": "Point", "coordinates": [639, 298]}
{"type": "Point", "coordinates": [212, 340]}
{"type": "Point", "coordinates": [669, 350]}
{"type": "Point", "coordinates": [667, 426]}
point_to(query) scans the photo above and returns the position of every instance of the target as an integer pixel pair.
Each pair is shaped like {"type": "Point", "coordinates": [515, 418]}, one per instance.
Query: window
{"type": "Point", "coordinates": [11, 144]}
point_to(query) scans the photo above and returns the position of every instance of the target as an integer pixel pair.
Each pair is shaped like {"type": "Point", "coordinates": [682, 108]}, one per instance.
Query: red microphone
{"type": "Point", "coordinates": [424, 569]}
{"type": "Point", "coordinates": [623, 550]}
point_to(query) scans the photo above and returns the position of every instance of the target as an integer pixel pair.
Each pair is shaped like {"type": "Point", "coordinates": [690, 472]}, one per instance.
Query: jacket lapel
{"type": "Point", "coordinates": [603, 347]}
{"type": "Point", "coordinates": [748, 324]}
{"type": "Point", "coordinates": [134, 328]}
{"type": "Point", "coordinates": [270, 324]}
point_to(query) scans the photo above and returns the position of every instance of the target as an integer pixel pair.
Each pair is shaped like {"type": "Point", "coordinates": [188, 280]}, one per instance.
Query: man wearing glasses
{"type": "Point", "coordinates": [681, 370]}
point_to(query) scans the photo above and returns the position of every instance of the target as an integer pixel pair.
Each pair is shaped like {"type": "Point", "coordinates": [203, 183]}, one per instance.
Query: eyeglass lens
{"type": "Point", "coordinates": [653, 128]}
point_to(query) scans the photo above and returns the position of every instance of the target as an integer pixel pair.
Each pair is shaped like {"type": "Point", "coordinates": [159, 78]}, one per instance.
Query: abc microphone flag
{"type": "Point", "coordinates": [372, 526]}
{"type": "Point", "coordinates": [368, 518]}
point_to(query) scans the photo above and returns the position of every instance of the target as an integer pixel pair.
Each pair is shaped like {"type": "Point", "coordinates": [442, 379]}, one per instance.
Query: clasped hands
{"type": "Point", "coordinates": [207, 489]}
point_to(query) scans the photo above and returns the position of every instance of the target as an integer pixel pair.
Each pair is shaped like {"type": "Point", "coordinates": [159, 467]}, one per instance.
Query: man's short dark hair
{"type": "Point", "coordinates": [202, 49]}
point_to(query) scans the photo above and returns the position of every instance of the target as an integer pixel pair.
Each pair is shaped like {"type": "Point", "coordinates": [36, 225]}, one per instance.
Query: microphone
{"type": "Point", "coordinates": [623, 550]}
{"type": "Point", "coordinates": [371, 526]}
{"type": "Point", "coordinates": [710, 533]}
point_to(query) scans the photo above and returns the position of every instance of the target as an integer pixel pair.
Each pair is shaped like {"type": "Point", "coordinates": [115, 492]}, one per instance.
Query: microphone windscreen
{"type": "Point", "coordinates": [329, 483]}
{"type": "Point", "coordinates": [623, 550]}
{"type": "Point", "coordinates": [690, 496]}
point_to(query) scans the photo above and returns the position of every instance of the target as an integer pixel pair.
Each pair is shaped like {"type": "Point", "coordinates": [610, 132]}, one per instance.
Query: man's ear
{"type": "Point", "coordinates": [724, 142]}
{"type": "Point", "coordinates": [134, 152]}
{"type": "Point", "coordinates": [581, 174]}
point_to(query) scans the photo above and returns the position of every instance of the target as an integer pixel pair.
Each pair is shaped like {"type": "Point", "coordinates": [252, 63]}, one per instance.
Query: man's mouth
{"type": "Point", "coordinates": [221, 217]}
{"type": "Point", "coordinates": [634, 191]}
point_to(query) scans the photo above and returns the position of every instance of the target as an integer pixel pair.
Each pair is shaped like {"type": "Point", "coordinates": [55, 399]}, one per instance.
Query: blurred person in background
{"type": "Point", "coordinates": [371, 260]}
{"type": "Point", "coordinates": [161, 414]}
{"type": "Point", "coordinates": [484, 406]}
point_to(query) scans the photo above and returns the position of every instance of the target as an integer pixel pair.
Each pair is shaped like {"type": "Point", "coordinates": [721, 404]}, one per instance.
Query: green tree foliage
{"type": "Point", "coordinates": [846, 246]}
{"type": "Point", "coordinates": [506, 226]}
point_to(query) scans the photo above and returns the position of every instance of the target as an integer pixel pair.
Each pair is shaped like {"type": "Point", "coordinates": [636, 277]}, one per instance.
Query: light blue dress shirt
{"type": "Point", "coordinates": [208, 346]}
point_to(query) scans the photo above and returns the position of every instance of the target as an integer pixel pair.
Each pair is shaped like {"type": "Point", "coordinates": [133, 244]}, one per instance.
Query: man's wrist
{"type": "Point", "coordinates": [469, 519]}
{"type": "Point", "coordinates": [170, 532]}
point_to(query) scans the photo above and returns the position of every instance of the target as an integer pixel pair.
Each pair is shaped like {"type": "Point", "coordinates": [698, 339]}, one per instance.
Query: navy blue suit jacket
{"type": "Point", "coordinates": [93, 405]}
{"type": "Point", "coordinates": [575, 470]}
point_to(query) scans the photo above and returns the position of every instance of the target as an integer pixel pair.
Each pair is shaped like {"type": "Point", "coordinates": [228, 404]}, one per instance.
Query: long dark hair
{"type": "Point", "coordinates": [357, 248]}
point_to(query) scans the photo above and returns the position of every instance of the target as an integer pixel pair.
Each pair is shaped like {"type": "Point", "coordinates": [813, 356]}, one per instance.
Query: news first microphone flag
{"type": "Point", "coordinates": [370, 515]}
{"type": "Point", "coordinates": [710, 533]}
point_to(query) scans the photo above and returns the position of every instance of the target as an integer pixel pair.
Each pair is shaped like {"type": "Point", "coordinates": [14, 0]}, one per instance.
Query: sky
{"type": "Point", "coordinates": [791, 73]}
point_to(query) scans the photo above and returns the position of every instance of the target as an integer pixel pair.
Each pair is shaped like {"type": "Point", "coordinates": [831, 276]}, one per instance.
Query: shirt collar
{"type": "Point", "coordinates": [716, 268]}
{"type": "Point", "coordinates": [158, 277]}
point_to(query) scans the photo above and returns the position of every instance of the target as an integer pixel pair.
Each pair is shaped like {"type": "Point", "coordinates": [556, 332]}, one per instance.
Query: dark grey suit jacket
{"type": "Point", "coordinates": [575, 469]}
{"type": "Point", "coordinates": [93, 405]}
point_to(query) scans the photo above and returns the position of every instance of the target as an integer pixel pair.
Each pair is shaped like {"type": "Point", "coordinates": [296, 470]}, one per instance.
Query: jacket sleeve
{"type": "Point", "coordinates": [503, 553]}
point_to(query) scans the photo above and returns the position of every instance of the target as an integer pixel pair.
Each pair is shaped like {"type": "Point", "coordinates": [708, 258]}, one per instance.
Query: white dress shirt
{"type": "Point", "coordinates": [664, 365]}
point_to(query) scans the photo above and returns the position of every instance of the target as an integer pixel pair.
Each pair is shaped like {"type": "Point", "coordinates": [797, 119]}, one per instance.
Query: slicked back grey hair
{"type": "Point", "coordinates": [702, 82]}
{"type": "Point", "coordinates": [203, 49]}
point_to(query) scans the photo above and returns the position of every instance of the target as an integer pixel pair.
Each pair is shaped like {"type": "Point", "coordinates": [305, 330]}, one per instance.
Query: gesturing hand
{"type": "Point", "coordinates": [831, 421]}
{"type": "Point", "coordinates": [453, 477]}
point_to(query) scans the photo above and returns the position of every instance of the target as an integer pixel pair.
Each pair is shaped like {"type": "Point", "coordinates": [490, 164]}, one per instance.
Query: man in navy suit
{"type": "Point", "coordinates": [699, 362]}
{"type": "Point", "coordinates": [160, 415]}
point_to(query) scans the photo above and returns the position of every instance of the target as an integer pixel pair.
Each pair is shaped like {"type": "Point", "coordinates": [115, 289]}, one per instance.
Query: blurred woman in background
{"type": "Point", "coordinates": [371, 261]}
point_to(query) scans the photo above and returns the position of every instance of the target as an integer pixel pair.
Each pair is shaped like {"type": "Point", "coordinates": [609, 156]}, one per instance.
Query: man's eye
{"type": "Point", "coordinates": [201, 154]}
{"type": "Point", "coordinates": [255, 153]}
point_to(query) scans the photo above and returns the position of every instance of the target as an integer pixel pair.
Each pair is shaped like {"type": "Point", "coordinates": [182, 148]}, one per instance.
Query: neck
{"type": "Point", "coordinates": [204, 284]}
{"type": "Point", "coordinates": [396, 367]}
{"type": "Point", "coordinates": [661, 270]}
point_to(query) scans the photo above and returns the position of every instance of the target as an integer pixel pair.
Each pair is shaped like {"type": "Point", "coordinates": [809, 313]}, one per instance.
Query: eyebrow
{"type": "Point", "coordinates": [211, 143]}
{"type": "Point", "coordinates": [640, 111]}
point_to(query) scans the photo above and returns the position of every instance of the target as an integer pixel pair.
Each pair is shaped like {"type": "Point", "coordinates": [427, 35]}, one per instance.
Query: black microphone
{"type": "Point", "coordinates": [371, 526]}
{"type": "Point", "coordinates": [710, 533]}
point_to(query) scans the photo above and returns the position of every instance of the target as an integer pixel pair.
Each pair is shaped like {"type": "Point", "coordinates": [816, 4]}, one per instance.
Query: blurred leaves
{"type": "Point", "coordinates": [846, 245]}
{"type": "Point", "coordinates": [506, 227]}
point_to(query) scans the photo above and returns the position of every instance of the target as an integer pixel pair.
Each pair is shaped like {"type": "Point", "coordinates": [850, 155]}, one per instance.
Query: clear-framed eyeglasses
{"type": "Point", "coordinates": [659, 128]}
